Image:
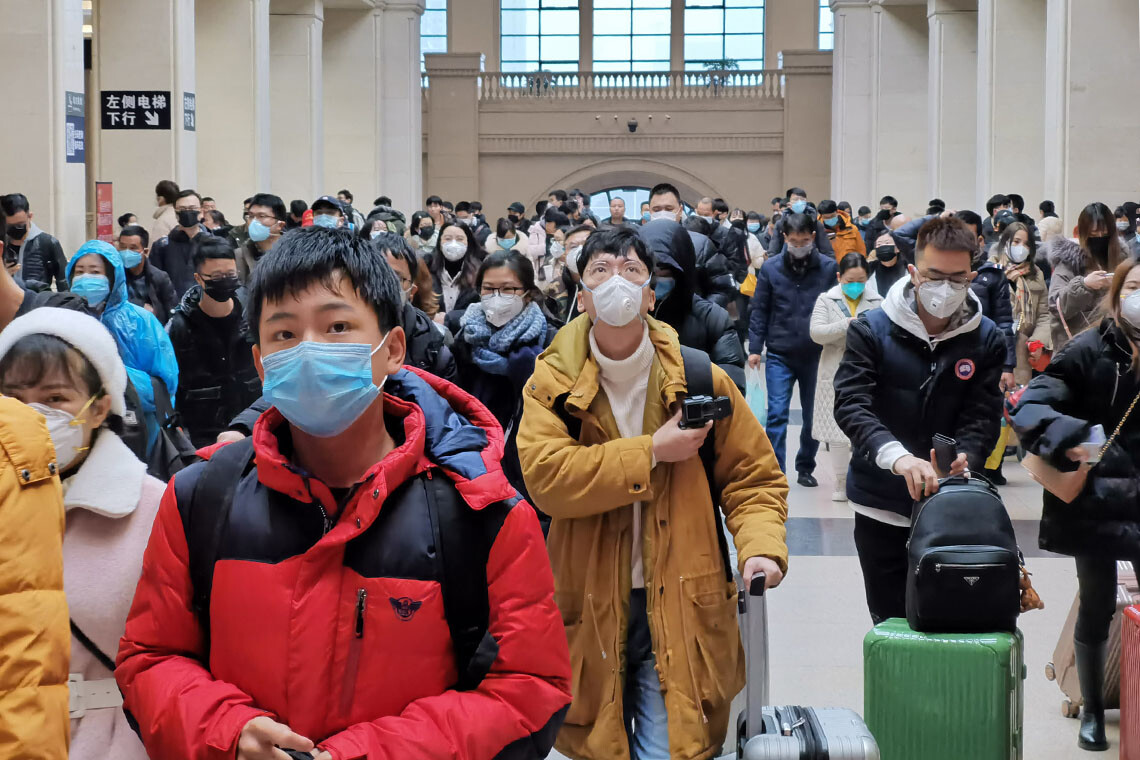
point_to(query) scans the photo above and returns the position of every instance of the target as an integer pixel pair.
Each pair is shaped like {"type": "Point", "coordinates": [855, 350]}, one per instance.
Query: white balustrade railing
{"type": "Point", "coordinates": [662, 85]}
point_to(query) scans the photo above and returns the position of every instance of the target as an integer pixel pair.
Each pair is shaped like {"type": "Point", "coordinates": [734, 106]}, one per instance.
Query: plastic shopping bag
{"type": "Point", "coordinates": [756, 394]}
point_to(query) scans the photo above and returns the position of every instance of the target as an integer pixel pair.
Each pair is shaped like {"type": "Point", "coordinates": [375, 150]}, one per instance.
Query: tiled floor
{"type": "Point", "coordinates": [818, 616]}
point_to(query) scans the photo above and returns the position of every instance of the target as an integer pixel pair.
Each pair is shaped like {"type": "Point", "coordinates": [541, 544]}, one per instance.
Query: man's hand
{"type": "Point", "coordinates": [1007, 382]}
{"type": "Point", "coordinates": [1036, 354]}
{"type": "Point", "coordinates": [958, 467]}
{"type": "Point", "coordinates": [323, 756]}
{"type": "Point", "coordinates": [230, 436]}
{"type": "Point", "coordinates": [772, 573]}
{"type": "Point", "coordinates": [921, 479]}
{"type": "Point", "coordinates": [261, 737]}
{"type": "Point", "coordinates": [672, 443]}
{"type": "Point", "coordinates": [755, 360]}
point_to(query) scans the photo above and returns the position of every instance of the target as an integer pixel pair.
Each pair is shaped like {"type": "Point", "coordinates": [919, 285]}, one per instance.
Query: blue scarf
{"type": "Point", "coordinates": [491, 346]}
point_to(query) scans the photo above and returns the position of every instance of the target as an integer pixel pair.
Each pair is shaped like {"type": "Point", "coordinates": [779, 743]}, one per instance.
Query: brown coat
{"type": "Point", "coordinates": [587, 486]}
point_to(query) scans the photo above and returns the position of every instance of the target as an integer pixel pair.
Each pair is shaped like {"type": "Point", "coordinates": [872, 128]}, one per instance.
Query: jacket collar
{"type": "Point", "coordinates": [900, 307]}
{"type": "Point", "coordinates": [34, 232]}
{"type": "Point", "coordinates": [108, 482]}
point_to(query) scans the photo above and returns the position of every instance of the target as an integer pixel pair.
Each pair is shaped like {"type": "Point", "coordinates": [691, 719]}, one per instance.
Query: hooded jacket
{"type": "Point", "coordinates": [165, 220]}
{"type": "Point", "coordinates": [992, 289]}
{"type": "Point", "coordinates": [848, 238]}
{"type": "Point", "coordinates": [143, 344]}
{"type": "Point", "coordinates": [41, 260]}
{"type": "Point", "coordinates": [896, 388]}
{"type": "Point", "coordinates": [587, 485]}
{"type": "Point", "coordinates": [153, 287]}
{"type": "Point", "coordinates": [33, 628]}
{"type": "Point", "coordinates": [699, 323]}
{"type": "Point", "coordinates": [1090, 383]}
{"type": "Point", "coordinates": [1074, 307]}
{"type": "Point", "coordinates": [336, 627]}
{"type": "Point", "coordinates": [783, 302]}
{"type": "Point", "coordinates": [174, 255]}
{"type": "Point", "coordinates": [217, 378]}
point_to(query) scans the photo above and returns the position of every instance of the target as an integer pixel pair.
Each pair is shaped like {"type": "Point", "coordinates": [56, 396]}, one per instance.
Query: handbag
{"type": "Point", "coordinates": [1067, 486]}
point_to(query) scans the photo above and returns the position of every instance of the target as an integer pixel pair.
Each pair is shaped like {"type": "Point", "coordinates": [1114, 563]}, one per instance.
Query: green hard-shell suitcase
{"type": "Point", "coordinates": [943, 696]}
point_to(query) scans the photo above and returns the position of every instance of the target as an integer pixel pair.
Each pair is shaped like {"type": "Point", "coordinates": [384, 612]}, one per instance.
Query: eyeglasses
{"type": "Point", "coordinates": [266, 219]}
{"type": "Point", "coordinates": [600, 271]}
{"type": "Point", "coordinates": [406, 282]}
{"type": "Point", "coordinates": [958, 281]}
{"type": "Point", "coordinates": [510, 290]}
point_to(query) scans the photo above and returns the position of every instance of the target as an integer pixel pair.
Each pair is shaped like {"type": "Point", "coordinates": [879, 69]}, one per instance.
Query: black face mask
{"type": "Point", "coordinates": [1098, 247]}
{"type": "Point", "coordinates": [17, 231]}
{"type": "Point", "coordinates": [737, 223]}
{"type": "Point", "coordinates": [427, 232]}
{"type": "Point", "coordinates": [886, 253]}
{"type": "Point", "coordinates": [222, 289]}
{"type": "Point", "coordinates": [514, 218]}
{"type": "Point", "coordinates": [187, 218]}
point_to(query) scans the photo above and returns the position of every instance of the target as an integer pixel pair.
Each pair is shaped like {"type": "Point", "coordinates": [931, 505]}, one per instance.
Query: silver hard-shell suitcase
{"type": "Point", "coordinates": [789, 733]}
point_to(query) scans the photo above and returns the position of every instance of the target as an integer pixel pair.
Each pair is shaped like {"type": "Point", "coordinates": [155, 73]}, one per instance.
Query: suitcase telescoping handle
{"type": "Point", "coordinates": [754, 608]}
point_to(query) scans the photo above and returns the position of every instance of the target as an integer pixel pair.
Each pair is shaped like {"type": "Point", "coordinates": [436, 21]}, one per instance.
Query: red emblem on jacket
{"type": "Point", "coordinates": [964, 369]}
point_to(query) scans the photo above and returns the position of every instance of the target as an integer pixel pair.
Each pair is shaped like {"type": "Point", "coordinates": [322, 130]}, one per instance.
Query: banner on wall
{"type": "Point", "coordinates": [104, 212]}
{"type": "Point", "coordinates": [75, 126]}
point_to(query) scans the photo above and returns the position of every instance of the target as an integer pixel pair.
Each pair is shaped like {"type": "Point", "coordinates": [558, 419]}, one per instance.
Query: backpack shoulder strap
{"type": "Point", "coordinates": [463, 539]}
{"type": "Point", "coordinates": [699, 382]}
{"type": "Point", "coordinates": [210, 503]}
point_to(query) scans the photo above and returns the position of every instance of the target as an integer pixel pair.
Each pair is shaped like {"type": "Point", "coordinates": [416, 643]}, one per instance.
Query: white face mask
{"type": "Point", "coordinates": [66, 433]}
{"type": "Point", "coordinates": [557, 249]}
{"type": "Point", "coordinates": [500, 309]}
{"type": "Point", "coordinates": [799, 253]}
{"type": "Point", "coordinates": [572, 259]}
{"type": "Point", "coordinates": [454, 250]}
{"type": "Point", "coordinates": [942, 299]}
{"type": "Point", "coordinates": [1122, 225]}
{"type": "Point", "coordinates": [617, 301]}
{"type": "Point", "coordinates": [670, 215]}
{"type": "Point", "coordinates": [1130, 309]}
{"type": "Point", "coordinates": [1018, 253]}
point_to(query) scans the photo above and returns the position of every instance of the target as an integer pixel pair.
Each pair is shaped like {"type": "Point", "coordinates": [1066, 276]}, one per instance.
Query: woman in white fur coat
{"type": "Point", "coordinates": [65, 365]}
{"type": "Point", "coordinates": [834, 311]}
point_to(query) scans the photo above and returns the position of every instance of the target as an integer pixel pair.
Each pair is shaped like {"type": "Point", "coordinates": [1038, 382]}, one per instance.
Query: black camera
{"type": "Point", "coordinates": [696, 411]}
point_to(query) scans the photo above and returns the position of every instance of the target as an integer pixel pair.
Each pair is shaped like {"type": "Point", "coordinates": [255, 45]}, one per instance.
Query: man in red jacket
{"type": "Point", "coordinates": [357, 579]}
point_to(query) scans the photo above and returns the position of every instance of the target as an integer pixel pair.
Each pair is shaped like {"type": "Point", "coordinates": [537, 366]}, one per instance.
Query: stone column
{"type": "Point", "coordinates": [453, 126]}
{"type": "Point", "coordinates": [1011, 99]}
{"type": "Point", "coordinates": [297, 104]}
{"type": "Point", "coordinates": [352, 65]}
{"type": "Point", "coordinates": [789, 25]}
{"type": "Point", "coordinates": [233, 100]}
{"type": "Point", "coordinates": [807, 120]}
{"type": "Point", "coordinates": [160, 60]}
{"type": "Point", "coordinates": [677, 36]}
{"type": "Point", "coordinates": [473, 27]}
{"type": "Point", "coordinates": [585, 35]}
{"type": "Point", "coordinates": [401, 108]}
{"type": "Point", "coordinates": [854, 93]}
{"type": "Point", "coordinates": [41, 48]}
{"type": "Point", "coordinates": [953, 101]}
{"type": "Point", "coordinates": [1089, 125]}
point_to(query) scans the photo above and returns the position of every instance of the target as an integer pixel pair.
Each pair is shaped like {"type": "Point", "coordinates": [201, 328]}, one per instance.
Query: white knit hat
{"type": "Point", "coordinates": [85, 334]}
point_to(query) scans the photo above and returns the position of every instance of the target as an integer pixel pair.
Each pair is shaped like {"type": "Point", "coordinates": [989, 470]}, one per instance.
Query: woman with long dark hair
{"type": "Point", "coordinates": [1086, 395]}
{"type": "Point", "coordinates": [454, 263]}
{"type": "Point", "coordinates": [1016, 253]}
{"type": "Point", "coordinates": [1082, 272]}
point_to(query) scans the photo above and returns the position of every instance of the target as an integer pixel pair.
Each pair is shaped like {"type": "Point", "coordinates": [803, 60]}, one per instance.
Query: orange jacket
{"type": "Point", "coordinates": [847, 238]}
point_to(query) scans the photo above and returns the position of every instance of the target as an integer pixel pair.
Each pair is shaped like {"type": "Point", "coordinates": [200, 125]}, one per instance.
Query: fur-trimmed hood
{"type": "Point", "coordinates": [1069, 254]}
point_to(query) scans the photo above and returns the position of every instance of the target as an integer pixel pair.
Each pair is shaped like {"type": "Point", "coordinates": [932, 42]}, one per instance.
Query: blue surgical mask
{"type": "Point", "coordinates": [258, 232]}
{"type": "Point", "coordinates": [322, 388]}
{"type": "Point", "coordinates": [832, 221]}
{"type": "Point", "coordinates": [798, 207]}
{"type": "Point", "coordinates": [94, 287]}
{"type": "Point", "coordinates": [131, 259]}
{"type": "Point", "coordinates": [645, 216]}
{"type": "Point", "coordinates": [328, 221]}
{"type": "Point", "coordinates": [664, 287]}
{"type": "Point", "coordinates": [853, 290]}
{"type": "Point", "coordinates": [506, 244]}
{"type": "Point", "coordinates": [754, 227]}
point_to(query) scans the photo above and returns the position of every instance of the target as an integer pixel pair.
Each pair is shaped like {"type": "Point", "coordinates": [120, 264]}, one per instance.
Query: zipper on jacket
{"type": "Point", "coordinates": [352, 666]}
{"type": "Point", "coordinates": [597, 631]}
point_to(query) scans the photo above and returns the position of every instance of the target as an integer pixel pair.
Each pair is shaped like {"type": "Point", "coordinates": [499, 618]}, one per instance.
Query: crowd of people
{"type": "Point", "coordinates": [395, 484]}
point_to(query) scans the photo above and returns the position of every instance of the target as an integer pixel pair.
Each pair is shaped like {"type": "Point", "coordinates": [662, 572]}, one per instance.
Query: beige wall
{"type": "Point", "coordinates": [953, 101]}
{"type": "Point", "coordinates": [297, 108]}
{"type": "Point", "coordinates": [789, 25]}
{"type": "Point", "coordinates": [350, 105]}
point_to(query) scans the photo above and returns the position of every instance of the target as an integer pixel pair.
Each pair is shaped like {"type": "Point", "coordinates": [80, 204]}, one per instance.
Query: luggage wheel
{"type": "Point", "coordinates": [1070, 710]}
{"type": "Point", "coordinates": [1050, 672]}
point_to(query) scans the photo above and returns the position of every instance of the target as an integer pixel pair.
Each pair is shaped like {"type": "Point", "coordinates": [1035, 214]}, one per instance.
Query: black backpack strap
{"type": "Point", "coordinates": [210, 505]}
{"type": "Point", "coordinates": [699, 382]}
{"type": "Point", "coordinates": [91, 647]}
{"type": "Point", "coordinates": [463, 539]}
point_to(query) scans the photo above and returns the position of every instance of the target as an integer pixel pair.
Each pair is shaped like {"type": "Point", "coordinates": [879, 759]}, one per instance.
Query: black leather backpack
{"type": "Point", "coordinates": [964, 565]}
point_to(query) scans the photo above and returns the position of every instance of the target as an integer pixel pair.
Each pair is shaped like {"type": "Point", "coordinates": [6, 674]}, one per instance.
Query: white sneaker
{"type": "Point", "coordinates": [839, 494]}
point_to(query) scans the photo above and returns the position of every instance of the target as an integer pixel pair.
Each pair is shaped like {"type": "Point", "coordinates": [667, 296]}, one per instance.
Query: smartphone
{"type": "Point", "coordinates": [945, 453]}
{"type": "Point", "coordinates": [1095, 443]}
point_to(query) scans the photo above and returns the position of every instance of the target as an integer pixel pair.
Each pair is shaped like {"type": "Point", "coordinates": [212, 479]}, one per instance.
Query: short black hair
{"type": "Point", "coordinates": [853, 261]}
{"type": "Point", "coordinates": [719, 206]}
{"type": "Point", "coordinates": [994, 202]}
{"type": "Point", "coordinates": [449, 205]}
{"type": "Point", "coordinates": [346, 194]}
{"type": "Point", "coordinates": [124, 218]}
{"type": "Point", "coordinates": [463, 206]}
{"type": "Point", "coordinates": [433, 200]}
{"type": "Point", "coordinates": [211, 247]}
{"type": "Point", "coordinates": [383, 200]}
{"type": "Point", "coordinates": [971, 218]}
{"type": "Point", "coordinates": [208, 199]}
{"type": "Point", "coordinates": [863, 211]}
{"type": "Point", "coordinates": [644, 203]}
{"type": "Point", "coordinates": [247, 202]}
{"type": "Point", "coordinates": [390, 242]}
{"type": "Point", "coordinates": [218, 217]}
{"type": "Point", "coordinates": [167, 189]}
{"type": "Point", "coordinates": [1017, 201]}
{"type": "Point", "coordinates": [559, 195]}
{"type": "Point", "coordinates": [189, 194]}
{"type": "Point", "coordinates": [1047, 208]}
{"type": "Point", "coordinates": [476, 207]}
{"type": "Point", "coordinates": [796, 191]}
{"type": "Point", "coordinates": [844, 206]}
{"type": "Point", "coordinates": [937, 202]}
{"type": "Point", "coordinates": [827, 207]}
{"type": "Point", "coordinates": [664, 188]}
{"type": "Point", "coordinates": [799, 223]}
{"type": "Point", "coordinates": [778, 200]}
{"type": "Point", "coordinates": [757, 216]}
{"type": "Point", "coordinates": [616, 241]}
{"type": "Point", "coordinates": [540, 208]}
{"type": "Point", "coordinates": [14, 203]}
{"type": "Point", "coordinates": [136, 230]}
{"type": "Point", "coordinates": [298, 207]}
{"type": "Point", "coordinates": [554, 215]}
{"type": "Point", "coordinates": [698, 224]}
{"type": "Point", "coordinates": [889, 200]}
{"type": "Point", "coordinates": [271, 202]}
{"type": "Point", "coordinates": [568, 208]}
{"type": "Point", "coordinates": [318, 255]}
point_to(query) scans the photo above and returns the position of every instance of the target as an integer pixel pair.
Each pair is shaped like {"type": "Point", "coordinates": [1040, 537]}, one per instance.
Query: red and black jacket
{"type": "Point", "coordinates": [288, 635]}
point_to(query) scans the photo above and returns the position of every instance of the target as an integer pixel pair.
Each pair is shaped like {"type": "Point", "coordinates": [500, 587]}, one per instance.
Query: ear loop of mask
{"type": "Point", "coordinates": [78, 421]}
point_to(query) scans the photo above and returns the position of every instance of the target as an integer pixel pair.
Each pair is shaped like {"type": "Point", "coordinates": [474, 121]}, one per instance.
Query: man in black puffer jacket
{"type": "Point", "coordinates": [699, 323]}
{"type": "Point", "coordinates": [39, 255]}
{"type": "Point", "coordinates": [927, 363]}
{"type": "Point", "coordinates": [712, 273]}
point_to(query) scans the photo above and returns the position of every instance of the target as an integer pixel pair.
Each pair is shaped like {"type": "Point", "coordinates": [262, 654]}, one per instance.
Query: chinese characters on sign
{"type": "Point", "coordinates": [104, 212]}
{"type": "Point", "coordinates": [75, 125]}
{"type": "Point", "coordinates": [189, 112]}
{"type": "Point", "coordinates": [136, 109]}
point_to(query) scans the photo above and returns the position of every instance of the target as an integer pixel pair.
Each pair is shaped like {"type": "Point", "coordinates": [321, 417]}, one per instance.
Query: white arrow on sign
{"type": "Point", "coordinates": [151, 118]}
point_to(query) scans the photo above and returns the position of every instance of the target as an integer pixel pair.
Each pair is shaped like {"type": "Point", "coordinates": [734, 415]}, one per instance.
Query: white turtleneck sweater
{"type": "Point", "coordinates": [625, 383]}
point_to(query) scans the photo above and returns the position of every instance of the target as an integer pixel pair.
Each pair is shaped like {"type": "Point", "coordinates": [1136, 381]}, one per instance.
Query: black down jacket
{"type": "Point", "coordinates": [1089, 382]}
{"type": "Point", "coordinates": [699, 323]}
